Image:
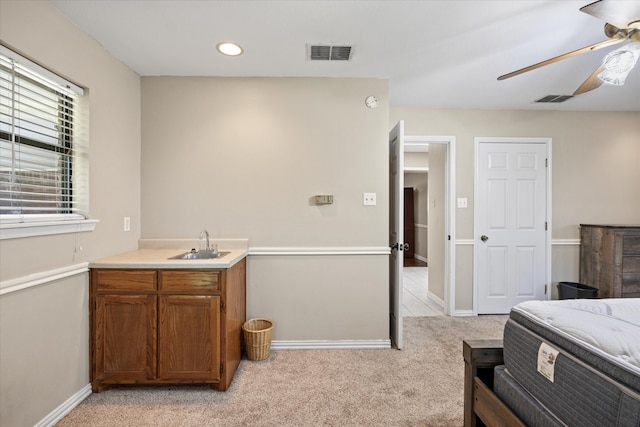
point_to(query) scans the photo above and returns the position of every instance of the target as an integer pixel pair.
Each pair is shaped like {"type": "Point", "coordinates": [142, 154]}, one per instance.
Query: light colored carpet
{"type": "Point", "coordinates": [421, 385]}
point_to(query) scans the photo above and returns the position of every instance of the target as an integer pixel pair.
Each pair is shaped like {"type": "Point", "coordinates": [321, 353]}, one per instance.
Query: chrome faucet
{"type": "Point", "coordinates": [205, 233]}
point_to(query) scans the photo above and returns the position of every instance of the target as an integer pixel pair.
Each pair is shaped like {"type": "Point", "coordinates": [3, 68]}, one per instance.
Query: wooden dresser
{"type": "Point", "coordinates": [610, 259]}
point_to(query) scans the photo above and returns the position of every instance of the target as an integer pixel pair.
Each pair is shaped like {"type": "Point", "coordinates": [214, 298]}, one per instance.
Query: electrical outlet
{"type": "Point", "coordinates": [462, 202]}
{"type": "Point", "coordinates": [127, 223]}
{"type": "Point", "coordinates": [369, 199]}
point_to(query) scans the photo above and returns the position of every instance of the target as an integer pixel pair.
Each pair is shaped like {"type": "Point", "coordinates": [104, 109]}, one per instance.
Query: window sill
{"type": "Point", "coordinates": [17, 230]}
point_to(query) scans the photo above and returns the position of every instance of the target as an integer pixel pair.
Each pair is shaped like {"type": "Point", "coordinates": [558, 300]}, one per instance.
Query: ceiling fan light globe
{"type": "Point", "coordinates": [612, 78]}
{"type": "Point", "coordinates": [619, 63]}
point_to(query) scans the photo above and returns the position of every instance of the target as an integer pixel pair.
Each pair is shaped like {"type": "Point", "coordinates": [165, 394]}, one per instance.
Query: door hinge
{"type": "Point", "coordinates": [221, 368]}
{"type": "Point", "coordinates": [449, 237]}
{"type": "Point", "coordinates": [221, 305]}
{"type": "Point", "coordinates": [545, 226]}
{"type": "Point", "coordinates": [546, 163]}
{"type": "Point", "coordinates": [545, 289]}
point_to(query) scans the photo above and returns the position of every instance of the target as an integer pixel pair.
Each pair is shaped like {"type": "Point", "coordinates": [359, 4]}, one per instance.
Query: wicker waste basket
{"type": "Point", "coordinates": [257, 338]}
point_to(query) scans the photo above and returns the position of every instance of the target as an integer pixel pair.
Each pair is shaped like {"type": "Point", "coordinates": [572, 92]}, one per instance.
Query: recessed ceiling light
{"type": "Point", "coordinates": [228, 48]}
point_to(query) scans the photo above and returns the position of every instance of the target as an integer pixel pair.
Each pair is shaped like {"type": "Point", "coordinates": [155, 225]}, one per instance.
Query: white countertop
{"type": "Point", "coordinates": [157, 254]}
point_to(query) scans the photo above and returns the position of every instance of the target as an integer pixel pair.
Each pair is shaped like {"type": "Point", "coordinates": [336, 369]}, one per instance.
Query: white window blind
{"type": "Point", "coordinates": [41, 147]}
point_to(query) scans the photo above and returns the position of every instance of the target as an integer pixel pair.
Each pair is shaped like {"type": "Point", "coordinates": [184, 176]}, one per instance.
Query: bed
{"type": "Point", "coordinates": [560, 363]}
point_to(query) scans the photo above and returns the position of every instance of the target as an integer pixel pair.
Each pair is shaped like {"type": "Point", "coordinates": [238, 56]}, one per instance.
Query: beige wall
{"type": "Point", "coordinates": [243, 157]}
{"type": "Point", "coordinates": [413, 159]}
{"type": "Point", "coordinates": [595, 173]}
{"type": "Point", "coordinates": [44, 329]}
{"type": "Point", "coordinates": [437, 201]}
{"type": "Point", "coordinates": [329, 297]}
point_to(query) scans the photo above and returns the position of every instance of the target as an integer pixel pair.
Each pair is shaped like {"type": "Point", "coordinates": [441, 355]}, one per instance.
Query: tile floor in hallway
{"type": "Point", "coordinates": [414, 297]}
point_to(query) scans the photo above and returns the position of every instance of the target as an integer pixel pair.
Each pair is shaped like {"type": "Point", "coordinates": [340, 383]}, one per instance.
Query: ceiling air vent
{"type": "Point", "coordinates": [554, 98]}
{"type": "Point", "coordinates": [326, 52]}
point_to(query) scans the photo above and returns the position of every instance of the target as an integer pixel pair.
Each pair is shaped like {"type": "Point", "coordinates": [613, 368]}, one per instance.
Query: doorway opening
{"type": "Point", "coordinates": [425, 203]}
{"type": "Point", "coordinates": [417, 299]}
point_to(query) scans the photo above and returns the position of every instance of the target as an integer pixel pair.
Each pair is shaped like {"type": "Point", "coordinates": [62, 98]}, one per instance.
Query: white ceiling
{"type": "Point", "coordinates": [439, 54]}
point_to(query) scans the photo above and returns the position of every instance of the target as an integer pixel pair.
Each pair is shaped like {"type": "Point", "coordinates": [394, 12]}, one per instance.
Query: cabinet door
{"type": "Point", "coordinates": [125, 337]}
{"type": "Point", "coordinates": [189, 337]}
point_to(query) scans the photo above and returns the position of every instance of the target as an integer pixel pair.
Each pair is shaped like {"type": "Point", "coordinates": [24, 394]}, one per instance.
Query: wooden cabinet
{"type": "Point", "coordinates": [610, 259]}
{"type": "Point", "coordinates": [166, 326]}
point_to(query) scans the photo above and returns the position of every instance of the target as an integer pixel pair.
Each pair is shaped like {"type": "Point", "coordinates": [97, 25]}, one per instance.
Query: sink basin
{"type": "Point", "coordinates": [200, 255]}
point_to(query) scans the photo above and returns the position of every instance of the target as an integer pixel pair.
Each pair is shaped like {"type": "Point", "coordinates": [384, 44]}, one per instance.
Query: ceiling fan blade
{"type": "Point", "coordinates": [592, 82]}
{"type": "Point", "coordinates": [618, 13]}
{"type": "Point", "coordinates": [585, 49]}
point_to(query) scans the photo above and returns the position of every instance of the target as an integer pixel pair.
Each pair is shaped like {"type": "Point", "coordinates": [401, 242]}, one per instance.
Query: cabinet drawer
{"type": "Point", "coordinates": [125, 280]}
{"type": "Point", "coordinates": [631, 285]}
{"type": "Point", "coordinates": [631, 245]}
{"type": "Point", "coordinates": [190, 280]}
{"type": "Point", "coordinates": [631, 265]}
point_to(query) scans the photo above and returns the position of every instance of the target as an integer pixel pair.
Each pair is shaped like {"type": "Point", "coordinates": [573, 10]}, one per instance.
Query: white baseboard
{"type": "Point", "coordinates": [329, 344]}
{"type": "Point", "coordinates": [62, 410]}
{"type": "Point", "coordinates": [420, 257]}
{"type": "Point", "coordinates": [463, 313]}
{"type": "Point", "coordinates": [435, 299]}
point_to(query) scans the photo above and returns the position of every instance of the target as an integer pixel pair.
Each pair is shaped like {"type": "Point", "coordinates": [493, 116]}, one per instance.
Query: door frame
{"type": "Point", "coordinates": [548, 212]}
{"type": "Point", "coordinates": [415, 143]}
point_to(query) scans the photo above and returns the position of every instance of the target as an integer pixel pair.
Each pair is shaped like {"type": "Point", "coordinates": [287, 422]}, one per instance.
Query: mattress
{"type": "Point", "coordinates": [527, 407]}
{"type": "Point", "coordinates": [579, 359]}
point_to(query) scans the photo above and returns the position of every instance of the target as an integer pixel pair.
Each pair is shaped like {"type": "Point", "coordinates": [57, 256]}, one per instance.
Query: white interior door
{"type": "Point", "coordinates": [396, 230]}
{"type": "Point", "coordinates": [510, 222]}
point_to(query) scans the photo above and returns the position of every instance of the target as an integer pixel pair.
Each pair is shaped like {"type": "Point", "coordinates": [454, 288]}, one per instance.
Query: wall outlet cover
{"type": "Point", "coordinates": [369, 199]}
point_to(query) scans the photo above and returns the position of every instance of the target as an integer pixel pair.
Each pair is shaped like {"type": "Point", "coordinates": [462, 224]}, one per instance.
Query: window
{"type": "Point", "coordinates": [43, 162]}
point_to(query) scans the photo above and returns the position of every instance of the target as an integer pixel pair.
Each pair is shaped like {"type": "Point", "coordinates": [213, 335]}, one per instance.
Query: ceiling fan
{"type": "Point", "coordinates": [622, 19]}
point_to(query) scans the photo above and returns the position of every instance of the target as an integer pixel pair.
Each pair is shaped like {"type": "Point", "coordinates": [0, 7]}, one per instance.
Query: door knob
{"type": "Point", "coordinates": [484, 238]}
{"type": "Point", "coordinates": [400, 247]}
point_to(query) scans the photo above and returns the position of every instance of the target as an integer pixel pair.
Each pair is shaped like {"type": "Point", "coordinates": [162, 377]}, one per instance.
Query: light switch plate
{"type": "Point", "coordinates": [369, 199]}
